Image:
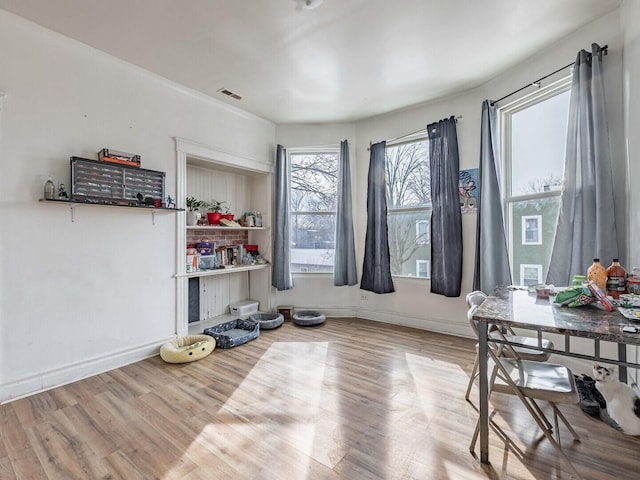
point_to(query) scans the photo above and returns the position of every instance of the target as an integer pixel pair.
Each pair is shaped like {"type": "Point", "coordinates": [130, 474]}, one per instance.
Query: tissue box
{"type": "Point", "coordinates": [243, 308]}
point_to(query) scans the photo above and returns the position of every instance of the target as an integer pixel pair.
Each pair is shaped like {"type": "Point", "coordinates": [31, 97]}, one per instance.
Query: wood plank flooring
{"type": "Point", "coordinates": [351, 399]}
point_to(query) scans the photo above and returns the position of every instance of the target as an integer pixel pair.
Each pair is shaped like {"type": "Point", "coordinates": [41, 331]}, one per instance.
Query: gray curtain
{"type": "Point", "coordinates": [344, 270]}
{"type": "Point", "coordinates": [492, 257]}
{"type": "Point", "coordinates": [586, 224]}
{"type": "Point", "coordinates": [281, 268]}
{"type": "Point", "coordinates": [446, 217]}
{"type": "Point", "coordinates": [376, 269]}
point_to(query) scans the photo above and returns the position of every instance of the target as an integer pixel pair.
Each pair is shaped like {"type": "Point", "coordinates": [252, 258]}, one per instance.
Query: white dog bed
{"type": "Point", "coordinates": [187, 349]}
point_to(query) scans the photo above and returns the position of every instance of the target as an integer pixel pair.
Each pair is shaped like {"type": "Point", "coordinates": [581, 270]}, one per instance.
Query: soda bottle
{"type": "Point", "coordinates": [616, 279]}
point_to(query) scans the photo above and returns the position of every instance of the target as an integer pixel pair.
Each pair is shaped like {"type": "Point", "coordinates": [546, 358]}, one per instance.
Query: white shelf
{"type": "Point", "coordinates": [223, 271]}
{"type": "Point", "coordinates": [74, 204]}
{"type": "Point", "coordinates": [216, 227]}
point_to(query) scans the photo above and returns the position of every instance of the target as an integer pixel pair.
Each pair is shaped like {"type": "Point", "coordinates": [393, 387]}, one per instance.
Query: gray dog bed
{"type": "Point", "coordinates": [308, 318]}
{"type": "Point", "coordinates": [267, 321]}
{"type": "Point", "coordinates": [234, 333]}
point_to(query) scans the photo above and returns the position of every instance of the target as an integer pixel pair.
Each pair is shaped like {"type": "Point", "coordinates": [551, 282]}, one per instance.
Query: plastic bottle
{"type": "Point", "coordinates": [578, 280]}
{"type": "Point", "coordinates": [616, 279]}
{"type": "Point", "coordinates": [49, 189]}
{"type": "Point", "coordinates": [597, 274]}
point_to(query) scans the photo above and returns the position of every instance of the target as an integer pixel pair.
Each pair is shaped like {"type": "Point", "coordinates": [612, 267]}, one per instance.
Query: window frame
{"type": "Point", "coordinates": [420, 136]}
{"type": "Point", "coordinates": [505, 113]}
{"type": "Point", "coordinates": [328, 149]}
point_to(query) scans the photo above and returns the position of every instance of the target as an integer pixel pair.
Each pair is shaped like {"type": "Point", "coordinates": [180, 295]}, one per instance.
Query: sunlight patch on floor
{"type": "Point", "coordinates": [287, 378]}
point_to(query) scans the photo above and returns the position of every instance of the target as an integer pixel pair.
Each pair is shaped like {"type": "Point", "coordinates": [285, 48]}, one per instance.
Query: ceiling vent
{"type": "Point", "coordinates": [229, 93]}
{"type": "Point", "coordinates": [307, 4]}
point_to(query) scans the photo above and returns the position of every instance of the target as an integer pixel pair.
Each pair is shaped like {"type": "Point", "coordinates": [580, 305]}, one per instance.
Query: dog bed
{"type": "Point", "coordinates": [308, 318]}
{"type": "Point", "coordinates": [234, 333]}
{"type": "Point", "coordinates": [267, 321]}
{"type": "Point", "coordinates": [187, 349]}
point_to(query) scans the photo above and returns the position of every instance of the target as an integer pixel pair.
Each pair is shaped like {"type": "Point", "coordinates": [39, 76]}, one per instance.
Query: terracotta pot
{"type": "Point", "coordinates": [214, 218]}
{"type": "Point", "coordinates": [227, 216]}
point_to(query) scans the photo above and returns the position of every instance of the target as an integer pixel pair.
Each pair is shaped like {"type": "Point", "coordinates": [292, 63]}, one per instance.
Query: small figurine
{"type": "Point", "coordinates": [62, 191]}
{"type": "Point", "coordinates": [171, 203]}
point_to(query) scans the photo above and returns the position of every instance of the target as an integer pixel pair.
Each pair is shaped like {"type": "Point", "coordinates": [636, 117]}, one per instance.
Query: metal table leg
{"type": "Point", "coordinates": [622, 356]}
{"type": "Point", "coordinates": [484, 391]}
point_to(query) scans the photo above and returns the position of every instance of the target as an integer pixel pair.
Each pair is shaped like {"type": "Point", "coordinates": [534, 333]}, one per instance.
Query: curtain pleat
{"type": "Point", "coordinates": [376, 268]}
{"type": "Point", "coordinates": [344, 270]}
{"type": "Point", "coordinates": [492, 257]}
{"type": "Point", "coordinates": [446, 217]}
{"type": "Point", "coordinates": [586, 223]}
{"type": "Point", "coordinates": [281, 269]}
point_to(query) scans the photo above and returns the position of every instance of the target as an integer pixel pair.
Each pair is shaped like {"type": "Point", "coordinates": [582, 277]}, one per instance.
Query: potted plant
{"type": "Point", "coordinates": [226, 215]}
{"type": "Point", "coordinates": [215, 212]}
{"type": "Point", "coordinates": [193, 205]}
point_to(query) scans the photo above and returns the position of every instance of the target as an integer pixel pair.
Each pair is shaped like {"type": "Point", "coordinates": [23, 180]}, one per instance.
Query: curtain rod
{"type": "Point", "coordinates": [409, 134]}
{"type": "Point", "coordinates": [537, 82]}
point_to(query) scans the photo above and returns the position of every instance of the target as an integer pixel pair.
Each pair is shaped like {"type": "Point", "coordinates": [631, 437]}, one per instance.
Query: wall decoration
{"type": "Point", "coordinates": [469, 189]}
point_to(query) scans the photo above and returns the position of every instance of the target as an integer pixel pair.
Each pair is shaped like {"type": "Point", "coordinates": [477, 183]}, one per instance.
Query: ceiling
{"type": "Point", "coordinates": [343, 61]}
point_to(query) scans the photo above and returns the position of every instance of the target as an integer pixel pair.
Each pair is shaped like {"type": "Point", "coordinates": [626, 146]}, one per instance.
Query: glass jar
{"type": "Point", "coordinates": [258, 219]}
{"type": "Point", "coordinates": [49, 189]}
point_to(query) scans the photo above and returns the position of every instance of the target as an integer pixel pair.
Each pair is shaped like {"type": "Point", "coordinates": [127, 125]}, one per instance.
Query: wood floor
{"type": "Point", "coordinates": [350, 399]}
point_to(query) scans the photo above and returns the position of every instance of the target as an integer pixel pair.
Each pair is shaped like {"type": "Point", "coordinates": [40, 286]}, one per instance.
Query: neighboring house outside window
{"type": "Point", "coordinates": [423, 267]}
{"type": "Point", "coordinates": [531, 230]}
{"type": "Point", "coordinates": [409, 206]}
{"type": "Point", "coordinates": [530, 274]}
{"type": "Point", "coordinates": [533, 133]}
{"type": "Point", "coordinates": [422, 232]}
{"type": "Point", "coordinates": [314, 186]}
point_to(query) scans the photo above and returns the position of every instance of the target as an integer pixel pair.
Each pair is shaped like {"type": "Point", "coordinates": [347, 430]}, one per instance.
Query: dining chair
{"type": "Point", "coordinates": [532, 381]}
{"type": "Point", "coordinates": [475, 299]}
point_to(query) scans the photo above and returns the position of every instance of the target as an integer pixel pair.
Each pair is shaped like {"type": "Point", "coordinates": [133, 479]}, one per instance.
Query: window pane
{"type": "Point", "coordinates": [538, 136]}
{"type": "Point", "coordinates": [312, 242]}
{"type": "Point", "coordinates": [405, 247]}
{"type": "Point", "coordinates": [532, 253]}
{"type": "Point", "coordinates": [408, 187]}
{"type": "Point", "coordinates": [314, 186]}
{"type": "Point", "coordinates": [408, 181]}
{"type": "Point", "coordinates": [314, 182]}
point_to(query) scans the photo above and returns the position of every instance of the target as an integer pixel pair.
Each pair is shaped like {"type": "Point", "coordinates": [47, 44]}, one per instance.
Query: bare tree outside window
{"type": "Point", "coordinates": [314, 185]}
{"type": "Point", "coordinates": [408, 190]}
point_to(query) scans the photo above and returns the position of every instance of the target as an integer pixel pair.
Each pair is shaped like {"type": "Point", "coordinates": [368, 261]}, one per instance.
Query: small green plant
{"type": "Point", "coordinates": [193, 204]}
{"type": "Point", "coordinates": [215, 206]}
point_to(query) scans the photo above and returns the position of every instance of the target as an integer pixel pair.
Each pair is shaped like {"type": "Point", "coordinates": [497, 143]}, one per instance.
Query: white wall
{"type": "Point", "coordinates": [412, 304]}
{"type": "Point", "coordinates": [79, 298]}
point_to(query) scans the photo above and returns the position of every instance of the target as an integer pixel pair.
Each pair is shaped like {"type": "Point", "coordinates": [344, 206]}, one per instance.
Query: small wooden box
{"type": "Point", "coordinates": [286, 311]}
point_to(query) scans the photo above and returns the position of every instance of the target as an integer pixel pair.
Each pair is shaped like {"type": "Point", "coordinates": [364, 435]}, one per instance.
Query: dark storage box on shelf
{"type": "Point", "coordinates": [108, 183]}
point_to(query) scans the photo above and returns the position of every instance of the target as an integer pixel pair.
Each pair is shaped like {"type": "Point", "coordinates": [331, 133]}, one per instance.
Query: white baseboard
{"type": "Point", "coordinates": [70, 373]}
{"type": "Point", "coordinates": [437, 325]}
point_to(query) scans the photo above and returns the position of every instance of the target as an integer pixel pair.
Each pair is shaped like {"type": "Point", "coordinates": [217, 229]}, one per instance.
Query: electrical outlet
{"type": "Point", "coordinates": [364, 296]}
